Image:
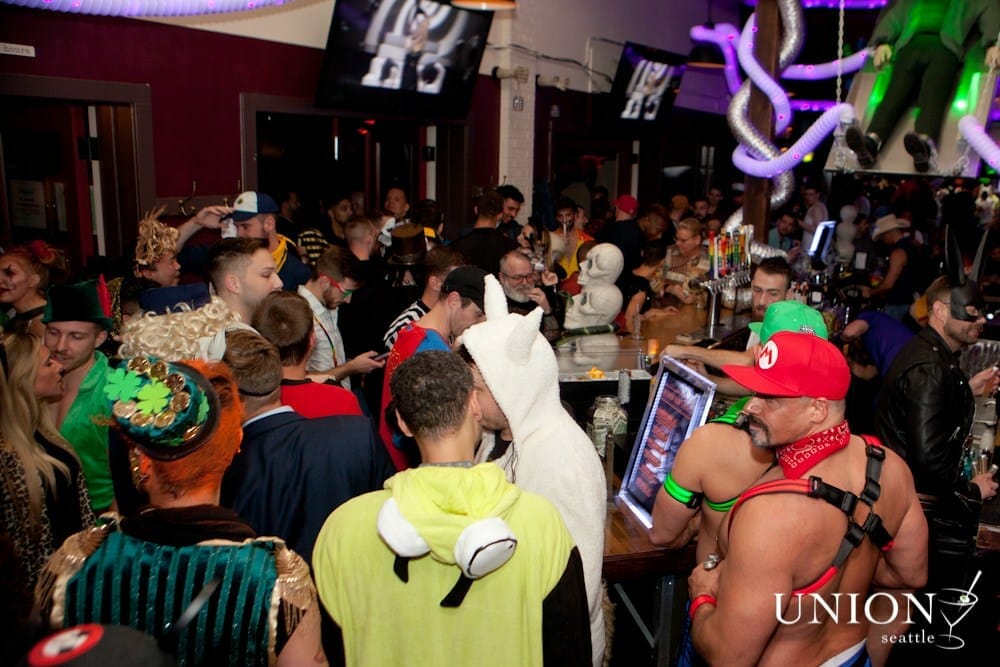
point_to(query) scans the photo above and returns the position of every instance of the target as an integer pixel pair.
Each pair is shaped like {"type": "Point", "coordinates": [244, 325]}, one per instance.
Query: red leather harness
{"type": "Point", "coordinates": [845, 501]}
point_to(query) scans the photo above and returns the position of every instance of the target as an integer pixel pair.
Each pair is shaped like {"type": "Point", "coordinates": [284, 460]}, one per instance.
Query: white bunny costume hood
{"type": "Point", "coordinates": [550, 454]}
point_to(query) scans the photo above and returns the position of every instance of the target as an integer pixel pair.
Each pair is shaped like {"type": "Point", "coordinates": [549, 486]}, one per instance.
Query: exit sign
{"type": "Point", "coordinates": [23, 50]}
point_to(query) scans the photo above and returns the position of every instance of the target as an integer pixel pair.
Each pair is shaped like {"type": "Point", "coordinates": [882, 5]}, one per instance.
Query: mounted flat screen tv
{"type": "Point", "coordinates": [413, 58]}
{"type": "Point", "coordinates": [646, 83]}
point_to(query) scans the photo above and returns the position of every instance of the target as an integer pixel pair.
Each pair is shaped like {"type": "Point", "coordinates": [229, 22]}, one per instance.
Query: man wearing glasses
{"type": "Point", "coordinates": [334, 279]}
{"type": "Point", "coordinates": [925, 413]}
{"type": "Point", "coordinates": [527, 288]}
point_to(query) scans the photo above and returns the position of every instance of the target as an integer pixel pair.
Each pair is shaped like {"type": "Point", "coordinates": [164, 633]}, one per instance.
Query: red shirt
{"type": "Point", "coordinates": [314, 399]}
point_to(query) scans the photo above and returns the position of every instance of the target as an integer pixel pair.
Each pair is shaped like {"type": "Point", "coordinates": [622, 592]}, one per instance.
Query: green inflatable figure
{"type": "Point", "coordinates": [927, 41]}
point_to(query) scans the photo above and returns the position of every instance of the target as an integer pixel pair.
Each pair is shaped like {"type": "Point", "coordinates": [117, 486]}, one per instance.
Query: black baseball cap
{"type": "Point", "coordinates": [468, 281]}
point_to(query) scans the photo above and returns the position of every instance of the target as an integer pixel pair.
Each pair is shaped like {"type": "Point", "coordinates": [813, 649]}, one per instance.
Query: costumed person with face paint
{"type": "Point", "coordinates": [925, 413]}
{"type": "Point", "coordinates": [25, 274]}
{"type": "Point", "coordinates": [927, 41]}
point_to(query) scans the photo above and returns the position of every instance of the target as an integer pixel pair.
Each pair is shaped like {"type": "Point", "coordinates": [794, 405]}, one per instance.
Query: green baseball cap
{"type": "Point", "coordinates": [790, 316]}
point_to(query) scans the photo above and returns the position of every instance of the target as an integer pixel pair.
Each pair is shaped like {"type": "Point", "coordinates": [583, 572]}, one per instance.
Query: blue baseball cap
{"type": "Point", "coordinates": [250, 204]}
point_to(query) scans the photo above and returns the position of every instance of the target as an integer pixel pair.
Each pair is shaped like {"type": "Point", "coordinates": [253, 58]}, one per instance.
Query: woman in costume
{"type": "Point", "coordinates": [25, 273]}
{"type": "Point", "coordinates": [43, 498]}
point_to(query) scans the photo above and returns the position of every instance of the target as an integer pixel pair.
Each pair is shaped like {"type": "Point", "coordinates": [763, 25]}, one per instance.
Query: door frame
{"type": "Point", "coordinates": [91, 92]}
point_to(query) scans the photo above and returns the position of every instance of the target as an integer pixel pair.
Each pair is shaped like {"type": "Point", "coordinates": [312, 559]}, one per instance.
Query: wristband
{"type": "Point", "coordinates": [698, 601]}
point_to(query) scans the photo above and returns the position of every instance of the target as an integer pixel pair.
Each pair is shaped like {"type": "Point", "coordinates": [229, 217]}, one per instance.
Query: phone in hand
{"type": "Point", "coordinates": [380, 357]}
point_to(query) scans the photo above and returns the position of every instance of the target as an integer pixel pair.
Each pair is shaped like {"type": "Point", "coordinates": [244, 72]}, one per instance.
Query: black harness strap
{"type": "Point", "coordinates": [847, 502]}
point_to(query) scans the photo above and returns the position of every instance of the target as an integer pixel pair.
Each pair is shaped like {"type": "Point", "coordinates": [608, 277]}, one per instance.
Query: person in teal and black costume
{"type": "Point", "coordinates": [183, 423]}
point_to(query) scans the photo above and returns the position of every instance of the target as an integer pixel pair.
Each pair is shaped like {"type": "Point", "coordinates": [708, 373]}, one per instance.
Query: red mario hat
{"type": "Point", "coordinates": [796, 364]}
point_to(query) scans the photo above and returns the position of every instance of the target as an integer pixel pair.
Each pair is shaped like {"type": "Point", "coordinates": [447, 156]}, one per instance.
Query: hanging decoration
{"type": "Point", "coordinates": [779, 165]}
{"type": "Point", "coordinates": [977, 138]}
{"type": "Point", "coordinates": [141, 8]}
{"type": "Point", "coordinates": [751, 140]}
{"type": "Point", "coordinates": [834, 4]}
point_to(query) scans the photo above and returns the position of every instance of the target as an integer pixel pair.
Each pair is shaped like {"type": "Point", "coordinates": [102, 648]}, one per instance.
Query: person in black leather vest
{"type": "Point", "coordinates": [925, 414]}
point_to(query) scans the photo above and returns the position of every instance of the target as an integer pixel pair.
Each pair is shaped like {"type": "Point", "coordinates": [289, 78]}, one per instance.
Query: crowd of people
{"type": "Point", "coordinates": [349, 438]}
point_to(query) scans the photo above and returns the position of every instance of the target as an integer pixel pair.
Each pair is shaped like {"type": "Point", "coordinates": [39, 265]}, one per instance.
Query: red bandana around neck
{"type": "Point", "coordinates": [798, 457]}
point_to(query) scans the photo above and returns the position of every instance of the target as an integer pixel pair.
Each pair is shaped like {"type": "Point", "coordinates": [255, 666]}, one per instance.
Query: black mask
{"type": "Point", "coordinates": [967, 295]}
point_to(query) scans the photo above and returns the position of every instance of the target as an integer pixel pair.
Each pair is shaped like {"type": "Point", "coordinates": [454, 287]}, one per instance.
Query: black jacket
{"type": "Point", "coordinates": [292, 472]}
{"type": "Point", "coordinates": [924, 413]}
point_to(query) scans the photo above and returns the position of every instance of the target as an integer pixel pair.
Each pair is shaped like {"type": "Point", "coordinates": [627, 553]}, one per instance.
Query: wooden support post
{"type": "Point", "coordinates": [757, 197]}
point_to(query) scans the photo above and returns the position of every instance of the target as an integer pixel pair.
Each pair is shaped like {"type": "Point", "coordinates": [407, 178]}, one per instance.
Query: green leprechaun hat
{"type": "Point", "coordinates": [88, 301]}
{"type": "Point", "coordinates": [168, 410]}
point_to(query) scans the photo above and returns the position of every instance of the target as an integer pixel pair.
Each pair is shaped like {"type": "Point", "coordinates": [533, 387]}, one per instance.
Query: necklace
{"type": "Point", "coordinates": [798, 457]}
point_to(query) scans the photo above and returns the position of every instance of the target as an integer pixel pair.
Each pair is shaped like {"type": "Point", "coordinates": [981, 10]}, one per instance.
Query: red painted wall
{"type": "Point", "coordinates": [195, 78]}
{"type": "Point", "coordinates": [484, 134]}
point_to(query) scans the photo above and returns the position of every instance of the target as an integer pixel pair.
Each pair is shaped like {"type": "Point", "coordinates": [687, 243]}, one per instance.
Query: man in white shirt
{"type": "Point", "coordinates": [333, 281]}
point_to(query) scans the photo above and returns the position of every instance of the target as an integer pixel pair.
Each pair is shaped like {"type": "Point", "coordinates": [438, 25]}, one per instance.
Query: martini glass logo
{"type": "Point", "coordinates": [955, 604]}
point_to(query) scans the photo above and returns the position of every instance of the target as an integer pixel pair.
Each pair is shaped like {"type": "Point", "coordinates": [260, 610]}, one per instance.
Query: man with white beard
{"type": "Point", "coordinates": [527, 288]}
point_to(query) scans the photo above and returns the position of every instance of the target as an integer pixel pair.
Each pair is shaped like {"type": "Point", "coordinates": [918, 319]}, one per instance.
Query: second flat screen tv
{"type": "Point", "coordinates": [413, 58]}
{"type": "Point", "coordinates": [646, 83]}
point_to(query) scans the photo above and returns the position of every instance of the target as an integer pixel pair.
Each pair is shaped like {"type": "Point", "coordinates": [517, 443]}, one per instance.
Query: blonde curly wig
{"type": "Point", "coordinates": [176, 335]}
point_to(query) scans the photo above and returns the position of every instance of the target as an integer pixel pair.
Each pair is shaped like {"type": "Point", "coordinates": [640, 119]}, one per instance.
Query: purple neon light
{"type": "Point", "coordinates": [806, 144]}
{"type": "Point", "coordinates": [147, 7]}
{"type": "Point", "coordinates": [834, 4]}
{"type": "Point", "coordinates": [826, 70]}
{"type": "Point", "coordinates": [763, 80]}
{"type": "Point", "coordinates": [723, 36]}
{"type": "Point", "coordinates": [812, 105]}
{"type": "Point", "coordinates": [976, 136]}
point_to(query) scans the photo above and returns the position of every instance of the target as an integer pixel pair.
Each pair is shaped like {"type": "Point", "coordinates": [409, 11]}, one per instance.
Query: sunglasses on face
{"type": "Point", "coordinates": [346, 292]}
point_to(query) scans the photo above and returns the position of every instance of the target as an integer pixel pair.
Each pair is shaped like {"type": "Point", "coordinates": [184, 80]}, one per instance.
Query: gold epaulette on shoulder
{"type": "Point", "coordinates": [294, 587]}
{"type": "Point", "coordinates": [62, 566]}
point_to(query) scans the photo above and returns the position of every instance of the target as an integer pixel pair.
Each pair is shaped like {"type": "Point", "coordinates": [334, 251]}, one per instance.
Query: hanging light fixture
{"type": "Point", "coordinates": [706, 55]}
{"type": "Point", "coordinates": [486, 5]}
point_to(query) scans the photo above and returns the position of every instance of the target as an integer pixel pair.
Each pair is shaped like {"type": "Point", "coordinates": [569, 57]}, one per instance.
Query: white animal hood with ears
{"type": "Point", "coordinates": [550, 455]}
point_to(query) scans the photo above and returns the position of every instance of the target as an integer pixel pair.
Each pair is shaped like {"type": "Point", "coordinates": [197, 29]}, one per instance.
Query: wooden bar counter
{"type": "Point", "coordinates": [633, 566]}
{"type": "Point", "coordinates": [628, 553]}
{"type": "Point", "coordinates": [641, 575]}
